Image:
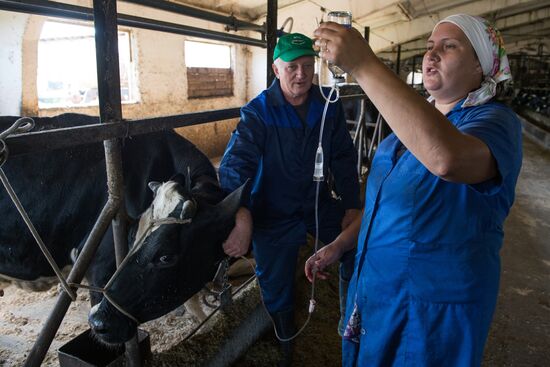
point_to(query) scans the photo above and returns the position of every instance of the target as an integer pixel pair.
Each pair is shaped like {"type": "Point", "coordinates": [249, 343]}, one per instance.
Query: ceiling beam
{"type": "Point", "coordinates": [529, 30]}
{"type": "Point", "coordinates": [533, 45]}
{"type": "Point", "coordinates": [387, 36]}
{"type": "Point", "coordinates": [512, 31]}
{"type": "Point", "coordinates": [359, 9]}
{"type": "Point", "coordinates": [529, 17]}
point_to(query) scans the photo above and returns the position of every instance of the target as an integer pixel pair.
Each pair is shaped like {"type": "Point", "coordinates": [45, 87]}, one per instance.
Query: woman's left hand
{"type": "Point", "coordinates": [343, 46]}
{"type": "Point", "coordinates": [318, 262]}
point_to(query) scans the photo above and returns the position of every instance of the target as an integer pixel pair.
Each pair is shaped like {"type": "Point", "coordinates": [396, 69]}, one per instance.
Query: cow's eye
{"type": "Point", "coordinates": [165, 260]}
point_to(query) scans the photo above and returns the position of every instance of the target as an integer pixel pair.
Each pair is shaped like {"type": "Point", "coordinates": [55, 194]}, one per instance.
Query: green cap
{"type": "Point", "coordinates": [293, 45]}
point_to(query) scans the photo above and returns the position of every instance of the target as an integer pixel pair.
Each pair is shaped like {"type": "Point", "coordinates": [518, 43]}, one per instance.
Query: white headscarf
{"type": "Point", "coordinates": [489, 48]}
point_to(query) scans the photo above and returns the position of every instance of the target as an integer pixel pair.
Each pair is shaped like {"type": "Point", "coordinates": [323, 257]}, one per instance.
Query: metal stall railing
{"type": "Point", "coordinates": [55, 9]}
{"type": "Point", "coordinates": [112, 127]}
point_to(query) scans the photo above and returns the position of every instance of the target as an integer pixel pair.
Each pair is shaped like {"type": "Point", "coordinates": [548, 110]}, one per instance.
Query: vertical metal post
{"type": "Point", "coordinates": [110, 110]}
{"type": "Point", "coordinates": [413, 69]}
{"type": "Point", "coordinates": [108, 76]}
{"type": "Point", "coordinates": [271, 37]}
{"type": "Point", "coordinates": [398, 60]}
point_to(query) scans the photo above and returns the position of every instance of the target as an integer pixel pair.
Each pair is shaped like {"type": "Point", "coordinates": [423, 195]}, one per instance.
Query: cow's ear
{"type": "Point", "coordinates": [232, 202]}
{"type": "Point", "coordinates": [154, 186]}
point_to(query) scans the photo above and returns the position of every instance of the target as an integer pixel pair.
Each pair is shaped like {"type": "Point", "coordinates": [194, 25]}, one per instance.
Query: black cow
{"type": "Point", "coordinates": [168, 262]}
{"type": "Point", "coordinates": [64, 190]}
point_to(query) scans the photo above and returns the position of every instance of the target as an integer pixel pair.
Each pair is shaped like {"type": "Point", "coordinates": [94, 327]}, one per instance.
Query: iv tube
{"type": "Point", "coordinates": [318, 170]}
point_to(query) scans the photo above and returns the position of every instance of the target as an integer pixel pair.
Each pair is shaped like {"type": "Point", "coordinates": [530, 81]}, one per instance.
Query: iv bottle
{"type": "Point", "coordinates": [343, 18]}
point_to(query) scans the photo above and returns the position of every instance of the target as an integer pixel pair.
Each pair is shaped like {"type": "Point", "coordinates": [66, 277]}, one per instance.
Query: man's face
{"type": "Point", "coordinates": [295, 77]}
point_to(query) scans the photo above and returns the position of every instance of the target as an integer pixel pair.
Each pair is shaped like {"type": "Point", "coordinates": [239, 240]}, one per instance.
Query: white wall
{"type": "Point", "coordinates": [161, 69]}
{"type": "Point", "coordinates": [161, 77]}
{"type": "Point", "coordinates": [12, 26]}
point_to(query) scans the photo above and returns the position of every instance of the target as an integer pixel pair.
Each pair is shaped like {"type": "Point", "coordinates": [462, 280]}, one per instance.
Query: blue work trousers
{"type": "Point", "coordinates": [276, 262]}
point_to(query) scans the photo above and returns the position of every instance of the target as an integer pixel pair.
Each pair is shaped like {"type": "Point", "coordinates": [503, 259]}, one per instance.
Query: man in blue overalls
{"type": "Point", "coordinates": [274, 146]}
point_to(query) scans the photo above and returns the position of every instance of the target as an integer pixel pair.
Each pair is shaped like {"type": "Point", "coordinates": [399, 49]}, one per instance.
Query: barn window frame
{"type": "Point", "coordinates": [210, 76]}
{"type": "Point", "coordinates": [64, 91]}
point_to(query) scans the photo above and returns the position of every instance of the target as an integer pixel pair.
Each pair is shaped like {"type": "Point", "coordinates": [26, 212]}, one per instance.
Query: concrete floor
{"type": "Point", "coordinates": [520, 334]}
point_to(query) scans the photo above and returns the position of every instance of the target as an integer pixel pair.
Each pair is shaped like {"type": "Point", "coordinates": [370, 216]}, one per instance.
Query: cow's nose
{"type": "Point", "coordinates": [96, 322]}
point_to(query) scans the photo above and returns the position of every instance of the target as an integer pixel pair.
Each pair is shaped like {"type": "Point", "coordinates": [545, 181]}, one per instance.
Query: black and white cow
{"type": "Point", "coordinates": [64, 190]}
{"type": "Point", "coordinates": [168, 262]}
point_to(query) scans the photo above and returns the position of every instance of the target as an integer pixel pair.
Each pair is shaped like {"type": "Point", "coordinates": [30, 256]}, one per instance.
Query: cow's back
{"type": "Point", "coordinates": [64, 190]}
{"type": "Point", "coordinates": [157, 157]}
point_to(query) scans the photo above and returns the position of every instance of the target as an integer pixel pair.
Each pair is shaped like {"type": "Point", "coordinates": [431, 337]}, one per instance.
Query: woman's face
{"type": "Point", "coordinates": [450, 68]}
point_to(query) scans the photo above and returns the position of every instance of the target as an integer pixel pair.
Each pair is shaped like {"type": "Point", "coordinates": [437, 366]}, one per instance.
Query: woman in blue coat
{"type": "Point", "coordinates": [427, 268]}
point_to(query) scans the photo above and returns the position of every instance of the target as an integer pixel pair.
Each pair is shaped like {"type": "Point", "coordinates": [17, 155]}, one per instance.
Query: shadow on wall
{"type": "Point", "coordinates": [210, 138]}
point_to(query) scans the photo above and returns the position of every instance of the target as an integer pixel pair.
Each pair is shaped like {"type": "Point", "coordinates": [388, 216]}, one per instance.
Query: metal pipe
{"type": "Point", "coordinates": [50, 327]}
{"type": "Point", "coordinates": [366, 33]}
{"type": "Point", "coordinates": [156, 25]}
{"type": "Point", "coordinates": [106, 52]}
{"type": "Point", "coordinates": [55, 9]}
{"type": "Point", "coordinates": [413, 70]}
{"type": "Point", "coordinates": [230, 21]}
{"type": "Point", "coordinates": [110, 111]}
{"type": "Point", "coordinates": [398, 60]}
{"type": "Point", "coordinates": [47, 8]}
{"type": "Point", "coordinates": [78, 135]}
{"type": "Point", "coordinates": [352, 97]}
{"type": "Point", "coordinates": [271, 38]}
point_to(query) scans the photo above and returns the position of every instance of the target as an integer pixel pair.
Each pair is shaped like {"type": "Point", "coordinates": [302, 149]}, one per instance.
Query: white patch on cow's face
{"type": "Point", "coordinates": [166, 200]}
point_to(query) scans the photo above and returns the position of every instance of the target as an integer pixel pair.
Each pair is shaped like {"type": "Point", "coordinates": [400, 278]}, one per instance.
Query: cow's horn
{"type": "Point", "coordinates": [188, 209]}
{"type": "Point", "coordinates": [188, 180]}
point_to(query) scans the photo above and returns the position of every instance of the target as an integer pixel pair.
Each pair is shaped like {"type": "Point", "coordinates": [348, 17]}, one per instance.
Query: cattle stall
{"type": "Point", "coordinates": [113, 127]}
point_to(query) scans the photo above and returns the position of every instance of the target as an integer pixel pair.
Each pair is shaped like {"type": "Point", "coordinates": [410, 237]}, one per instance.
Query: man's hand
{"type": "Point", "coordinates": [238, 241]}
{"type": "Point", "coordinates": [349, 217]}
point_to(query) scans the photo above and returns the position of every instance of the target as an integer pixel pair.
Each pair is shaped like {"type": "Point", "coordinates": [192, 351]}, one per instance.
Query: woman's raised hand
{"type": "Point", "coordinates": [343, 46]}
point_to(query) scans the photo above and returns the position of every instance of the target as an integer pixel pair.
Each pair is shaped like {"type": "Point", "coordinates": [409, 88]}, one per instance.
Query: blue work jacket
{"type": "Point", "coordinates": [274, 148]}
{"type": "Point", "coordinates": [427, 268]}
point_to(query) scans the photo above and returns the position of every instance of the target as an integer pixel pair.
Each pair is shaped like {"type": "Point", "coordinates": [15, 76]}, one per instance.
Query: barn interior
{"type": "Point", "coordinates": [190, 66]}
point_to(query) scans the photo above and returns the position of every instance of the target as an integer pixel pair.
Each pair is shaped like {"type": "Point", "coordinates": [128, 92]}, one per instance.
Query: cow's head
{"type": "Point", "coordinates": [168, 262]}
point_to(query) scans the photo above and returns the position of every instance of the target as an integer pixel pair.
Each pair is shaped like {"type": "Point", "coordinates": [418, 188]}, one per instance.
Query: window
{"type": "Point", "coordinates": [67, 75]}
{"type": "Point", "coordinates": [417, 77]}
{"type": "Point", "coordinates": [209, 71]}
{"type": "Point", "coordinates": [207, 55]}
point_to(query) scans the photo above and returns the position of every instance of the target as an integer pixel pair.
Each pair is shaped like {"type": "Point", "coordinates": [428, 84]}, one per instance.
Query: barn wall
{"type": "Point", "coordinates": [11, 35]}
{"type": "Point", "coordinates": [162, 77]}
